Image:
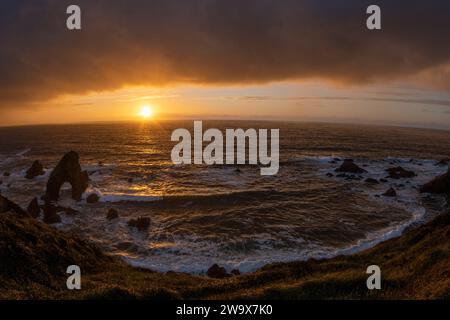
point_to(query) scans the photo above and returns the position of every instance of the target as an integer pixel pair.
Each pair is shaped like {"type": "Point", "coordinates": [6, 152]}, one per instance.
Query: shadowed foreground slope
{"type": "Point", "coordinates": [34, 258]}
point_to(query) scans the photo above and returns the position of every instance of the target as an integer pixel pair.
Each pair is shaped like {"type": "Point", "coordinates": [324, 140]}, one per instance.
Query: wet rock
{"type": "Point", "coordinates": [372, 180]}
{"type": "Point", "coordinates": [235, 272]}
{"type": "Point", "coordinates": [67, 170]}
{"type": "Point", "coordinates": [50, 214]}
{"type": "Point", "coordinates": [443, 162]}
{"type": "Point", "coordinates": [7, 205]}
{"type": "Point", "coordinates": [215, 271]}
{"type": "Point", "coordinates": [390, 193]}
{"type": "Point", "coordinates": [33, 208]}
{"type": "Point", "coordinates": [36, 169]}
{"type": "Point", "coordinates": [399, 173]}
{"type": "Point", "coordinates": [112, 214]}
{"type": "Point", "coordinates": [350, 167]}
{"type": "Point", "coordinates": [440, 184]}
{"type": "Point", "coordinates": [141, 223]}
{"type": "Point", "coordinates": [92, 198]}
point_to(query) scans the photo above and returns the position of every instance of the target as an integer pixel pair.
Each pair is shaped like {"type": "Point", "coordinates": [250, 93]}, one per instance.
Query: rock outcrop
{"type": "Point", "coordinates": [399, 173]}
{"type": "Point", "coordinates": [390, 193]}
{"type": "Point", "coordinates": [67, 170]}
{"type": "Point", "coordinates": [350, 167]}
{"type": "Point", "coordinates": [141, 223]}
{"type": "Point", "coordinates": [7, 205]}
{"type": "Point", "coordinates": [112, 214]}
{"type": "Point", "coordinates": [92, 198]}
{"type": "Point", "coordinates": [439, 184]}
{"type": "Point", "coordinates": [50, 213]}
{"type": "Point", "coordinates": [33, 208]}
{"type": "Point", "coordinates": [36, 169]}
{"type": "Point", "coordinates": [215, 271]}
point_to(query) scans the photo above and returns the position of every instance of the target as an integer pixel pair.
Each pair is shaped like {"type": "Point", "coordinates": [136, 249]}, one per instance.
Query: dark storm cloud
{"type": "Point", "coordinates": [212, 42]}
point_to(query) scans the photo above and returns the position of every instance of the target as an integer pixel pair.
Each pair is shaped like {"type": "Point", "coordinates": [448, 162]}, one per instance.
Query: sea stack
{"type": "Point", "coordinates": [67, 170]}
{"type": "Point", "coordinates": [36, 169]}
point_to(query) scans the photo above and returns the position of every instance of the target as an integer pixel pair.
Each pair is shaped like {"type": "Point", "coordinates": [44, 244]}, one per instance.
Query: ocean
{"type": "Point", "coordinates": [201, 215]}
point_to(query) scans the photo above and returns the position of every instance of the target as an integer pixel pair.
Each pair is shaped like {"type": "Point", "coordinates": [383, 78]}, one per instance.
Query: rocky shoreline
{"type": "Point", "coordinates": [36, 254]}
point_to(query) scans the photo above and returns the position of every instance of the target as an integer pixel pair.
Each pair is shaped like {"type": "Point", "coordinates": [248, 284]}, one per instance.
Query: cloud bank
{"type": "Point", "coordinates": [168, 42]}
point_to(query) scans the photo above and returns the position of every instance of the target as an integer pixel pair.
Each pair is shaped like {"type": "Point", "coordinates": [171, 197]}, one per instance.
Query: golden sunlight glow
{"type": "Point", "coordinates": [146, 112]}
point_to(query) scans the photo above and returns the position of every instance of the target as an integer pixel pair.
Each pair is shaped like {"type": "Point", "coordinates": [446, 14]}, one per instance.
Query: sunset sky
{"type": "Point", "coordinates": [225, 59]}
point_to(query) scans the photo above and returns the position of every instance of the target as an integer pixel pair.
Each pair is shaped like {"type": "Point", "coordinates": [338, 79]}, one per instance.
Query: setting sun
{"type": "Point", "coordinates": [146, 112]}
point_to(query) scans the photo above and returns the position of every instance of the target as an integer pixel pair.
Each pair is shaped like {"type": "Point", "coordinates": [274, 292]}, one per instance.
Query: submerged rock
{"type": "Point", "coordinates": [399, 173]}
{"type": "Point", "coordinates": [33, 208]}
{"type": "Point", "coordinates": [440, 184]}
{"type": "Point", "coordinates": [92, 198]}
{"type": "Point", "coordinates": [349, 166]}
{"type": "Point", "coordinates": [390, 193]}
{"type": "Point", "coordinates": [36, 169]}
{"type": "Point", "coordinates": [141, 223]}
{"type": "Point", "coordinates": [67, 170]}
{"type": "Point", "coordinates": [112, 214]}
{"type": "Point", "coordinates": [215, 271]}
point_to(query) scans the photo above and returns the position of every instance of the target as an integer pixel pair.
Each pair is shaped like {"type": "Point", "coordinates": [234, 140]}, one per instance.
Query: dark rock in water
{"type": "Point", "coordinates": [92, 198]}
{"type": "Point", "coordinates": [439, 184]}
{"type": "Point", "coordinates": [372, 180]}
{"type": "Point", "coordinates": [443, 162]}
{"type": "Point", "coordinates": [36, 169]}
{"type": "Point", "coordinates": [50, 213]}
{"type": "Point", "coordinates": [399, 173]}
{"type": "Point", "coordinates": [7, 205]}
{"type": "Point", "coordinates": [383, 180]}
{"type": "Point", "coordinates": [112, 214]}
{"type": "Point", "coordinates": [349, 166]}
{"type": "Point", "coordinates": [235, 272]}
{"type": "Point", "coordinates": [67, 170]}
{"type": "Point", "coordinates": [390, 193]}
{"type": "Point", "coordinates": [141, 223]}
{"type": "Point", "coordinates": [330, 175]}
{"type": "Point", "coordinates": [217, 272]}
{"type": "Point", "coordinates": [33, 208]}
{"type": "Point", "coordinates": [6, 174]}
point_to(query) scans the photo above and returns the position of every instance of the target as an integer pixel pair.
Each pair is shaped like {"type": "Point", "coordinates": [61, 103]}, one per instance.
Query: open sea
{"type": "Point", "coordinates": [201, 215]}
